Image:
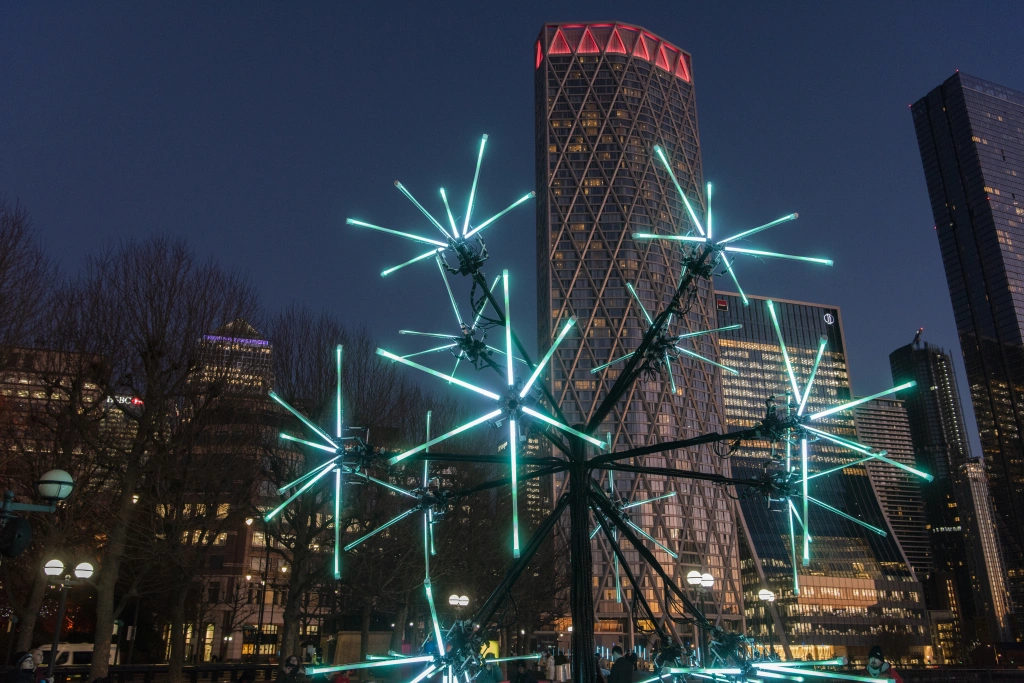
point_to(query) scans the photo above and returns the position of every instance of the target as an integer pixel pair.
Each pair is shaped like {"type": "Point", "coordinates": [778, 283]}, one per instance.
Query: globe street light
{"type": "Point", "coordinates": [55, 568]}
{"type": "Point", "coordinates": [16, 532]}
{"type": "Point", "coordinates": [765, 595]}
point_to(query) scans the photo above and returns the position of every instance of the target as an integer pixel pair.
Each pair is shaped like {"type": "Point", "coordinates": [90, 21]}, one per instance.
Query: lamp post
{"type": "Point", "coordinates": [55, 568]}
{"type": "Point", "coordinates": [15, 531]}
{"type": "Point", "coordinates": [702, 585]}
{"type": "Point", "coordinates": [767, 596]}
{"type": "Point", "coordinates": [458, 602]}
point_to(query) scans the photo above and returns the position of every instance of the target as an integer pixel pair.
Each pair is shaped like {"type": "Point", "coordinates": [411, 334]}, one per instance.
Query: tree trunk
{"type": "Point", "coordinates": [110, 568]}
{"type": "Point", "coordinates": [398, 634]}
{"type": "Point", "coordinates": [27, 620]}
{"type": "Point", "coordinates": [364, 632]}
{"type": "Point", "coordinates": [177, 657]}
{"type": "Point", "coordinates": [581, 592]}
{"type": "Point", "coordinates": [292, 615]}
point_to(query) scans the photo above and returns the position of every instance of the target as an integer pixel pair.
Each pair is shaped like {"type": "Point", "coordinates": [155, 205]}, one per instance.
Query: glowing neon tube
{"type": "Point", "coordinates": [385, 273]}
{"type": "Point", "coordinates": [652, 539]}
{"type": "Point", "coordinates": [772, 254]}
{"type": "Point", "coordinates": [649, 500]}
{"type": "Point", "coordinates": [629, 286]}
{"type": "Point", "coordinates": [844, 515]}
{"type": "Point", "coordinates": [466, 385]}
{"type": "Point", "coordinates": [337, 523]}
{"type": "Point", "coordinates": [847, 406]}
{"type": "Point", "coordinates": [823, 342]}
{"type": "Point", "coordinates": [367, 665]}
{"type": "Point", "coordinates": [735, 280]}
{"type": "Point", "coordinates": [717, 329]}
{"type": "Point", "coordinates": [433, 350]}
{"type": "Point", "coordinates": [311, 444]}
{"type": "Point", "coordinates": [472, 190]}
{"type": "Point", "coordinates": [458, 430]}
{"type": "Point", "coordinates": [500, 214]}
{"type": "Point", "coordinates": [451, 219]}
{"type": "Point", "coordinates": [785, 352]}
{"type": "Point", "coordinates": [707, 360]}
{"type": "Point", "coordinates": [311, 473]}
{"type": "Point", "coordinates": [447, 286]}
{"type": "Point", "coordinates": [708, 196]}
{"type": "Point", "coordinates": [564, 428]}
{"type": "Point", "coordinates": [406, 235]}
{"type": "Point", "coordinates": [508, 330]}
{"type": "Point", "coordinates": [513, 439]}
{"type": "Point", "coordinates": [341, 401]}
{"type": "Point", "coordinates": [612, 362]}
{"type": "Point", "coordinates": [671, 238]}
{"type": "Point", "coordinates": [382, 527]}
{"type": "Point", "coordinates": [752, 231]}
{"type": "Point", "coordinates": [273, 513]}
{"type": "Point", "coordinates": [546, 358]}
{"type": "Point", "coordinates": [319, 432]}
{"type": "Point", "coordinates": [806, 519]}
{"type": "Point", "coordinates": [682, 195]}
{"type": "Point", "coordinates": [401, 188]}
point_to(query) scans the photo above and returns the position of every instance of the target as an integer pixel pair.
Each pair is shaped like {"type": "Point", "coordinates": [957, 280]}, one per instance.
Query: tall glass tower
{"type": "Point", "coordinates": [605, 95]}
{"type": "Point", "coordinates": [941, 448]}
{"type": "Point", "coordinates": [859, 588]}
{"type": "Point", "coordinates": [883, 423]}
{"type": "Point", "coordinates": [971, 136]}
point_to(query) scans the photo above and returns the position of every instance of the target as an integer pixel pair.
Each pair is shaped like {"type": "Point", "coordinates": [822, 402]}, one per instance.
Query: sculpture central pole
{"type": "Point", "coordinates": [581, 591]}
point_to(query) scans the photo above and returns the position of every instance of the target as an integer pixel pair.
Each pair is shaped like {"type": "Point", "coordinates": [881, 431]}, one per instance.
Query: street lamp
{"type": "Point", "coordinates": [16, 532]}
{"type": "Point", "coordinates": [458, 602]}
{"type": "Point", "coordinates": [55, 568]}
{"type": "Point", "coordinates": [765, 595]}
{"type": "Point", "coordinates": [702, 584]}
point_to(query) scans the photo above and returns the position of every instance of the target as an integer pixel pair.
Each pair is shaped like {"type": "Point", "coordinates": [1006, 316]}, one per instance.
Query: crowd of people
{"type": "Point", "coordinates": [551, 668]}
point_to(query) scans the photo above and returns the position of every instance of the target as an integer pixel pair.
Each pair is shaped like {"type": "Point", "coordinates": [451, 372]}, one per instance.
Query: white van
{"type": "Point", "coordinates": [74, 654]}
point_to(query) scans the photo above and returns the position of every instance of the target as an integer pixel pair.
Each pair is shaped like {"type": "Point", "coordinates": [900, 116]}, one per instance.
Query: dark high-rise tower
{"type": "Point", "coordinates": [941, 448]}
{"type": "Point", "coordinates": [971, 135]}
{"type": "Point", "coordinates": [858, 583]}
{"type": "Point", "coordinates": [605, 95]}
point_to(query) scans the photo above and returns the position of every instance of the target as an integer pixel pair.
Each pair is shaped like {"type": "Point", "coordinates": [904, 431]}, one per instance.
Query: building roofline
{"type": "Point", "coordinates": [780, 300]}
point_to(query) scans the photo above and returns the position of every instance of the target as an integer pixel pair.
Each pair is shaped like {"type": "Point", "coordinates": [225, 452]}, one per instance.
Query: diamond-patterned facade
{"type": "Point", "coordinates": [605, 95]}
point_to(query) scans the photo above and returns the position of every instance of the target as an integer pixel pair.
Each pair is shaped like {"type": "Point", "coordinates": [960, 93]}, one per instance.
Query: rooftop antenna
{"type": "Point", "coordinates": [917, 338]}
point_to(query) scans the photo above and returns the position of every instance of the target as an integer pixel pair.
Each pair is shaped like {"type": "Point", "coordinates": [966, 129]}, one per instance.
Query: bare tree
{"type": "Point", "coordinates": [152, 302]}
{"type": "Point", "coordinates": [27, 276]}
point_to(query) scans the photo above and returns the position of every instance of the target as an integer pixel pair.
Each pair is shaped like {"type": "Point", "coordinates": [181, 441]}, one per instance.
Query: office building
{"type": "Point", "coordinates": [941, 448]}
{"type": "Point", "coordinates": [883, 423]}
{"type": "Point", "coordinates": [859, 588]}
{"type": "Point", "coordinates": [605, 95]}
{"type": "Point", "coordinates": [971, 136]}
{"type": "Point", "coordinates": [993, 610]}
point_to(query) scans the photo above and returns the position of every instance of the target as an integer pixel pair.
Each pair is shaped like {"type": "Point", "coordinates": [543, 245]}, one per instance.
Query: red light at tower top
{"type": "Point", "coordinates": [136, 401]}
{"type": "Point", "coordinates": [617, 39]}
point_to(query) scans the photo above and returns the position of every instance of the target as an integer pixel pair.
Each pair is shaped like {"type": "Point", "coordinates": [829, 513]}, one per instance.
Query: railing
{"type": "Point", "coordinates": [152, 673]}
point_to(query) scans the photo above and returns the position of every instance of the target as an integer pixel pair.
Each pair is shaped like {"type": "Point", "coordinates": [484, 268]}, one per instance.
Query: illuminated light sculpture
{"type": "Point", "coordinates": [511, 407]}
{"type": "Point", "coordinates": [727, 658]}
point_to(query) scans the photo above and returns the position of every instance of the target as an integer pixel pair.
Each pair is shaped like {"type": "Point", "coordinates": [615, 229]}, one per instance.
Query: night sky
{"type": "Point", "coordinates": [255, 129]}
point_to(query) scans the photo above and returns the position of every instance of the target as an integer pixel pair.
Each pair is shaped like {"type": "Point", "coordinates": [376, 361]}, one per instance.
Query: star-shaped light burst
{"type": "Point", "coordinates": [621, 506]}
{"type": "Point", "coordinates": [470, 343]}
{"type": "Point", "coordinates": [350, 459]}
{"type": "Point", "coordinates": [464, 245]}
{"type": "Point", "coordinates": [511, 406]}
{"type": "Point", "coordinates": [723, 246]}
{"type": "Point", "coordinates": [797, 432]}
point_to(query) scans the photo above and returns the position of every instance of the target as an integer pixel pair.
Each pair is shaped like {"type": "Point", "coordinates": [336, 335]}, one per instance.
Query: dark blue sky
{"type": "Point", "coordinates": [255, 129]}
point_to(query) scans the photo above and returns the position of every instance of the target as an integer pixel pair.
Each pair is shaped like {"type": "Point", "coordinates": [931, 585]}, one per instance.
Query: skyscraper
{"type": "Point", "coordinates": [605, 95]}
{"type": "Point", "coordinates": [941, 448]}
{"type": "Point", "coordinates": [858, 588]}
{"type": "Point", "coordinates": [883, 423]}
{"type": "Point", "coordinates": [971, 136]}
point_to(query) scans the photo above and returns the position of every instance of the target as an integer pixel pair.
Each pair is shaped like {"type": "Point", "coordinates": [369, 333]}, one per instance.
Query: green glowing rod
{"type": "Point", "coordinates": [772, 254]}
{"type": "Point", "coordinates": [682, 195]}
{"type": "Point", "coordinates": [851, 404]}
{"type": "Point", "coordinates": [753, 231]}
{"type": "Point", "coordinates": [472, 190]}
{"type": "Point", "coordinates": [368, 665]}
{"type": "Point", "coordinates": [401, 188]}
{"type": "Point", "coordinates": [406, 235]}
{"type": "Point", "coordinates": [547, 357]}
{"type": "Point", "coordinates": [844, 515]}
{"type": "Point", "coordinates": [430, 253]}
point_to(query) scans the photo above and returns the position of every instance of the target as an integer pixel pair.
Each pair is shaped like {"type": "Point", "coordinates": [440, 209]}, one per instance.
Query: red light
{"type": "Point", "coordinates": [588, 45]}
{"type": "Point", "coordinates": [683, 69]}
{"type": "Point", "coordinates": [136, 401]}
{"type": "Point", "coordinates": [539, 58]}
{"type": "Point", "coordinates": [663, 59]}
{"type": "Point", "coordinates": [558, 45]}
{"type": "Point", "coordinates": [640, 49]}
{"type": "Point", "coordinates": [615, 44]}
